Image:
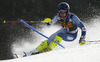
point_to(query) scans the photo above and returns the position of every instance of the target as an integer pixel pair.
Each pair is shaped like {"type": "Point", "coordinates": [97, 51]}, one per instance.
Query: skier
{"type": "Point", "coordinates": [70, 22]}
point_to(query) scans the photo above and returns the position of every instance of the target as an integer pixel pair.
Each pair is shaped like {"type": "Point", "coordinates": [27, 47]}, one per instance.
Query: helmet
{"type": "Point", "coordinates": [63, 7]}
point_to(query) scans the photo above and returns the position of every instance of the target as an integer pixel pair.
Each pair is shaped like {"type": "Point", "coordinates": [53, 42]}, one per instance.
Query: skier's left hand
{"type": "Point", "coordinates": [82, 40]}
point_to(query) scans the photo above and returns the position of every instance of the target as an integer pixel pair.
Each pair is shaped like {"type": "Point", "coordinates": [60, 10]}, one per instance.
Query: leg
{"type": "Point", "coordinates": [44, 46]}
{"type": "Point", "coordinates": [53, 45]}
{"type": "Point", "coordinates": [56, 33]}
{"type": "Point", "coordinates": [48, 45]}
{"type": "Point", "coordinates": [41, 47]}
{"type": "Point", "coordinates": [68, 36]}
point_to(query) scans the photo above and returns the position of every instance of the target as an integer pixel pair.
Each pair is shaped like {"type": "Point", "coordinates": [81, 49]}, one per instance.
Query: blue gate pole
{"type": "Point", "coordinates": [40, 33]}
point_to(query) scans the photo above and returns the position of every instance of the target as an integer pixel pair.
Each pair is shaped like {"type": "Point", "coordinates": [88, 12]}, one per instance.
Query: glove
{"type": "Point", "coordinates": [46, 20]}
{"type": "Point", "coordinates": [82, 40]}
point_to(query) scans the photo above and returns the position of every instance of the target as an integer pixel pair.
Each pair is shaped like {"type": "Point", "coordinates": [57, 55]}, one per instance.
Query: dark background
{"type": "Point", "coordinates": [36, 9]}
{"type": "Point", "coordinates": [12, 10]}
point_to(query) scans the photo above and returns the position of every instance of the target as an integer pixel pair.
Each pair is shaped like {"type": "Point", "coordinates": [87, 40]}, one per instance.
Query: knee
{"type": "Point", "coordinates": [57, 39]}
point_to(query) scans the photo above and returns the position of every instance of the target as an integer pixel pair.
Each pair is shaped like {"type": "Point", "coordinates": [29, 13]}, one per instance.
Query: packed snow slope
{"type": "Point", "coordinates": [72, 52]}
{"type": "Point", "coordinates": [78, 54]}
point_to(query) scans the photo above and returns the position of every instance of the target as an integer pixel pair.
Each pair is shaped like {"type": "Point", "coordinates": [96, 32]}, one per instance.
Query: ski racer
{"type": "Point", "coordinates": [70, 22]}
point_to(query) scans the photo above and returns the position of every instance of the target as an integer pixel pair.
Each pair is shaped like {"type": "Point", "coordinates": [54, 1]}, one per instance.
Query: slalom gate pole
{"type": "Point", "coordinates": [17, 21]}
{"type": "Point", "coordinates": [40, 33]}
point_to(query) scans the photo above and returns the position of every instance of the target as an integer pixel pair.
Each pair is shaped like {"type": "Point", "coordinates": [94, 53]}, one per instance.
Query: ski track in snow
{"type": "Point", "coordinates": [72, 52]}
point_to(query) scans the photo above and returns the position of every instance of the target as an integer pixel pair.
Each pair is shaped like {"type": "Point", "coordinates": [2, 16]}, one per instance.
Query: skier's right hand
{"type": "Point", "coordinates": [82, 40]}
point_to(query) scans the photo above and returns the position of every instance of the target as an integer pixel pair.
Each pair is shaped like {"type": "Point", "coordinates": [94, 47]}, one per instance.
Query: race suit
{"type": "Point", "coordinates": [68, 32]}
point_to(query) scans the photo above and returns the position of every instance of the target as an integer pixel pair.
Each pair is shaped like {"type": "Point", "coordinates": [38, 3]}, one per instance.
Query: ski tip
{"type": "Point", "coordinates": [16, 55]}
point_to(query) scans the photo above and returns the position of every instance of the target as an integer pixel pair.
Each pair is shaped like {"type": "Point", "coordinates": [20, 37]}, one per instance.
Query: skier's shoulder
{"type": "Point", "coordinates": [74, 18]}
{"type": "Point", "coordinates": [72, 15]}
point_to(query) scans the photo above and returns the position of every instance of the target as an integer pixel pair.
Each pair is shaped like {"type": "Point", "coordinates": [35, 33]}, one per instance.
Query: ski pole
{"type": "Point", "coordinates": [88, 42]}
{"type": "Point", "coordinates": [94, 41]}
{"type": "Point", "coordinates": [40, 33]}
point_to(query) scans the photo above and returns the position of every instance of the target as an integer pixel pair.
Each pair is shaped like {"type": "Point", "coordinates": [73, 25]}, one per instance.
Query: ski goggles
{"type": "Point", "coordinates": [62, 11]}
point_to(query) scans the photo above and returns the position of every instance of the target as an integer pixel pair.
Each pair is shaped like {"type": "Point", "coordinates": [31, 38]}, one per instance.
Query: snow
{"type": "Point", "coordinates": [89, 53]}
{"type": "Point", "coordinates": [72, 52]}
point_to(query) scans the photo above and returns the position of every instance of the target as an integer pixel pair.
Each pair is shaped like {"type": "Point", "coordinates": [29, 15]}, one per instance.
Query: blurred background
{"type": "Point", "coordinates": [35, 10]}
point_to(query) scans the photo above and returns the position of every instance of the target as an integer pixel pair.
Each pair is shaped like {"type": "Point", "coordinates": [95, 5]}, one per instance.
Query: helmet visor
{"type": "Point", "coordinates": [62, 11]}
